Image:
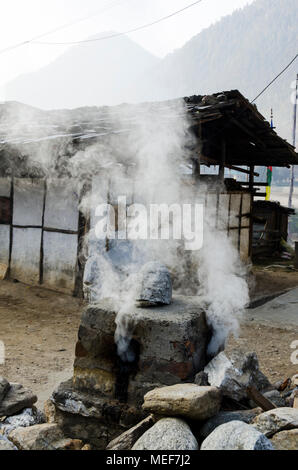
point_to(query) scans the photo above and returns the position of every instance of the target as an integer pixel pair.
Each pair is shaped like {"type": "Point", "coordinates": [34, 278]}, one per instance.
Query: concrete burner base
{"type": "Point", "coordinates": [105, 396]}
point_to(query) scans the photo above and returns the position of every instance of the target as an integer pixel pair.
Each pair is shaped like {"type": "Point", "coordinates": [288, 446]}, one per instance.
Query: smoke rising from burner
{"type": "Point", "coordinates": [144, 154]}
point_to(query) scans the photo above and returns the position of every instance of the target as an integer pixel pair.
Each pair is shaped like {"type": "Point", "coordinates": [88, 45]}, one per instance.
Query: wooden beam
{"type": "Point", "coordinates": [252, 135]}
{"type": "Point", "coordinates": [256, 183]}
{"type": "Point", "coordinates": [221, 173]}
{"type": "Point", "coordinates": [211, 161]}
{"type": "Point", "coordinates": [259, 399]}
{"type": "Point", "coordinates": [251, 178]}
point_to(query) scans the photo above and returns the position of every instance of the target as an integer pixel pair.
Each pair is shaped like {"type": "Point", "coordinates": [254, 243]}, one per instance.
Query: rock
{"type": "Point", "coordinates": [294, 380]}
{"type": "Point", "coordinates": [67, 399]}
{"type": "Point", "coordinates": [4, 387]}
{"type": "Point", "coordinates": [276, 420]}
{"type": "Point", "coordinates": [187, 400]}
{"type": "Point", "coordinates": [233, 373]}
{"type": "Point", "coordinates": [29, 417]}
{"type": "Point", "coordinates": [70, 444]}
{"type": "Point", "coordinates": [295, 400]}
{"type": "Point", "coordinates": [167, 434]}
{"type": "Point", "coordinates": [286, 440]}
{"type": "Point", "coordinates": [50, 412]}
{"type": "Point", "coordinates": [161, 362]}
{"type": "Point", "coordinates": [5, 444]}
{"type": "Point", "coordinates": [129, 438]}
{"type": "Point", "coordinates": [201, 379]}
{"type": "Point", "coordinates": [276, 398]}
{"type": "Point", "coordinates": [155, 285]}
{"type": "Point", "coordinates": [236, 435]}
{"type": "Point", "coordinates": [86, 447]}
{"type": "Point", "coordinates": [17, 399]}
{"type": "Point", "coordinates": [246, 416]}
{"type": "Point", "coordinates": [41, 437]}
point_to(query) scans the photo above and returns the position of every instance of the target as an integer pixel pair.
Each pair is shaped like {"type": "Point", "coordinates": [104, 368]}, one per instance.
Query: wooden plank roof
{"type": "Point", "coordinates": [249, 138]}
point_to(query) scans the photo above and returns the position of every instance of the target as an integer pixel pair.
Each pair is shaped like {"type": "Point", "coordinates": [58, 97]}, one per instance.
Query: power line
{"type": "Point", "coordinates": [258, 96]}
{"type": "Point", "coordinates": [275, 78]}
{"type": "Point", "coordinates": [147, 25]}
{"type": "Point", "coordinates": [59, 28]}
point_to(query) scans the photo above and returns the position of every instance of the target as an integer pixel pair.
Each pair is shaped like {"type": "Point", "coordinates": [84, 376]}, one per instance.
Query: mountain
{"type": "Point", "coordinates": [243, 51]}
{"type": "Point", "coordinates": [92, 74]}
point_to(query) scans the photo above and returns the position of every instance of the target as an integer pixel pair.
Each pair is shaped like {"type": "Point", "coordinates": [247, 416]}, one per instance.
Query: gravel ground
{"type": "Point", "coordinates": [39, 330]}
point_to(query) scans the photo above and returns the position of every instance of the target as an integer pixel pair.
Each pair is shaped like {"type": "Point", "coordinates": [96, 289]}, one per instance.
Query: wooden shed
{"type": "Point", "coordinates": [41, 224]}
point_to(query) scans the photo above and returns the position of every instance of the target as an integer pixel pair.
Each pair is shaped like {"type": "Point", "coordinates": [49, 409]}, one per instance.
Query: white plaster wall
{"type": "Point", "coordinates": [59, 261]}
{"type": "Point", "coordinates": [235, 205]}
{"type": "Point", "coordinates": [234, 237]}
{"type": "Point", "coordinates": [246, 209]}
{"type": "Point", "coordinates": [61, 208]}
{"type": "Point", "coordinates": [211, 205]}
{"type": "Point", "coordinates": [244, 244]}
{"type": "Point", "coordinates": [224, 203]}
{"type": "Point", "coordinates": [5, 185]}
{"type": "Point", "coordinates": [4, 243]}
{"type": "Point", "coordinates": [28, 202]}
{"type": "Point", "coordinates": [25, 257]}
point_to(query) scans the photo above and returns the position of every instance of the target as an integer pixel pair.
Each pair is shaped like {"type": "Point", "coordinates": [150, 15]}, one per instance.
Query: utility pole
{"type": "Point", "coordinates": [294, 145]}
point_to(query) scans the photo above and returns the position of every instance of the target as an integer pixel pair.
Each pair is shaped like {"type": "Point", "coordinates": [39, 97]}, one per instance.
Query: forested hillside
{"type": "Point", "coordinates": [245, 51]}
{"type": "Point", "coordinates": [242, 51]}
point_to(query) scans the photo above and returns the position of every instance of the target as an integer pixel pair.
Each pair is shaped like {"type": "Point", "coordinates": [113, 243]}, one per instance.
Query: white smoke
{"type": "Point", "coordinates": [223, 286]}
{"type": "Point", "coordinates": [142, 158]}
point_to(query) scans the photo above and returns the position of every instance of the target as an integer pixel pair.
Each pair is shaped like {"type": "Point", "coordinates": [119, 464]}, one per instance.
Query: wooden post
{"type": "Point", "coordinates": [296, 255]}
{"type": "Point", "coordinates": [197, 167]}
{"type": "Point", "coordinates": [221, 173]}
{"type": "Point", "coordinates": [251, 188]}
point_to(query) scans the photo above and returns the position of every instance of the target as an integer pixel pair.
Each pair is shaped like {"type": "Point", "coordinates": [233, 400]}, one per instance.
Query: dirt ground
{"type": "Point", "coordinates": [39, 330]}
{"type": "Point", "coordinates": [272, 344]}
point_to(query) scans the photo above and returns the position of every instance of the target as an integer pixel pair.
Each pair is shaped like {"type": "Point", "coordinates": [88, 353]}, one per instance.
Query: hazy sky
{"type": "Point", "coordinates": [21, 20]}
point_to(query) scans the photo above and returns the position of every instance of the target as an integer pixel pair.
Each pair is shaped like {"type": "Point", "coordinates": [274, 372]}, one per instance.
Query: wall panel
{"type": "Point", "coordinates": [59, 261]}
{"type": "Point", "coordinates": [61, 207]}
{"type": "Point", "coordinates": [25, 257]}
{"type": "Point", "coordinates": [4, 243]}
{"type": "Point", "coordinates": [28, 202]}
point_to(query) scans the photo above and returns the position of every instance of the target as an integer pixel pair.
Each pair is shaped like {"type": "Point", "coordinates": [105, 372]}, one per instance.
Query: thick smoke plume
{"type": "Point", "coordinates": [144, 153]}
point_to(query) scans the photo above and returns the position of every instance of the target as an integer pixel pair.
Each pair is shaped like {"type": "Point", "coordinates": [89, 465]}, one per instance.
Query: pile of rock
{"type": "Point", "coordinates": [105, 395]}
{"type": "Point", "coordinates": [24, 427]}
{"type": "Point", "coordinates": [217, 412]}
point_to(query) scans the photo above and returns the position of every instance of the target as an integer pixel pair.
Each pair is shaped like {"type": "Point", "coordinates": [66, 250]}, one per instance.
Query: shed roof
{"type": "Point", "coordinates": [227, 115]}
{"type": "Point", "coordinates": [249, 138]}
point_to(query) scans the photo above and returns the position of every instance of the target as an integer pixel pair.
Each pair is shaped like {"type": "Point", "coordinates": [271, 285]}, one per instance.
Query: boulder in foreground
{"type": "Point", "coordinates": [43, 437]}
{"type": "Point", "coordinates": [279, 419]}
{"type": "Point", "coordinates": [4, 387]}
{"type": "Point", "coordinates": [186, 400]}
{"type": "Point", "coordinates": [28, 417]}
{"type": "Point", "coordinates": [17, 399]}
{"type": "Point", "coordinates": [236, 435]}
{"type": "Point", "coordinates": [5, 444]}
{"type": "Point", "coordinates": [167, 434]}
{"type": "Point", "coordinates": [223, 417]}
{"type": "Point", "coordinates": [234, 372]}
{"type": "Point", "coordinates": [128, 439]}
{"type": "Point", "coordinates": [286, 440]}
